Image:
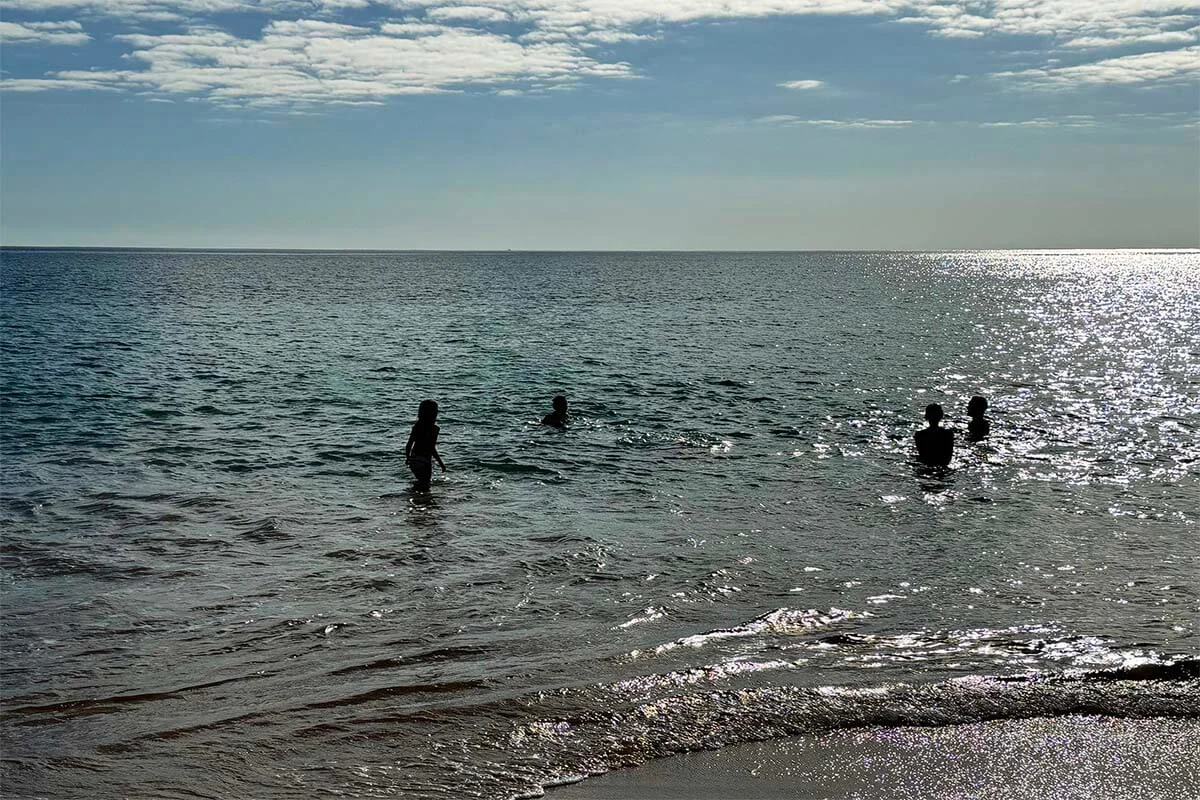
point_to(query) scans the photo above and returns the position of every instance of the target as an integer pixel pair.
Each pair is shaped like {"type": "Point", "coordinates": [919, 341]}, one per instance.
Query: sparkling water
{"type": "Point", "coordinates": [217, 581]}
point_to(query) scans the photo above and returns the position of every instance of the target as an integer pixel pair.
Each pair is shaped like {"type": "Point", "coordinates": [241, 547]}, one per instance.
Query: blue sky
{"type": "Point", "coordinates": [600, 124]}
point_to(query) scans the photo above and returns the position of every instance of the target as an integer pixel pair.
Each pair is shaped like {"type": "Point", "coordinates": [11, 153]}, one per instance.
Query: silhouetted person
{"type": "Point", "coordinates": [979, 427]}
{"type": "Point", "coordinates": [558, 417]}
{"type": "Point", "coordinates": [421, 450]}
{"type": "Point", "coordinates": [935, 445]}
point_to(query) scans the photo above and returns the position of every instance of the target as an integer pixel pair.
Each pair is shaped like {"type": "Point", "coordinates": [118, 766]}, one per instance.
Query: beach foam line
{"type": "Point", "coordinates": [1043, 758]}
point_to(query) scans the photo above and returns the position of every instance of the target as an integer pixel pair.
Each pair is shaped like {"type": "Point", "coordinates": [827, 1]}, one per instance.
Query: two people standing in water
{"type": "Point", "coordinates": [935, 444]}
{"type": "Point", "coordinates": [421, 451]}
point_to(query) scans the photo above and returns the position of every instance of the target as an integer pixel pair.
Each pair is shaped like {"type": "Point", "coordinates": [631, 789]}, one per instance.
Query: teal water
{"type": "Point", "coordinates": [217, 582]}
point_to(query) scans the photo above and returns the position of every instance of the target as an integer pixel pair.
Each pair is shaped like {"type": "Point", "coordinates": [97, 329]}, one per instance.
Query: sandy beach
{"type": "Point", "coordinates": [1064, 758]}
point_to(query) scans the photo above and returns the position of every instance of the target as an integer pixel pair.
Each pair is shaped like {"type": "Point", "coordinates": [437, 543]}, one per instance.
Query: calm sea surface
{"type": "Point", "coordinates": [217, 582]}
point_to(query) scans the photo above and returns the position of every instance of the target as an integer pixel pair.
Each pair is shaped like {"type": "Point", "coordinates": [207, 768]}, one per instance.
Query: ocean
{"type": "Point", "coordinates": [217, 580]}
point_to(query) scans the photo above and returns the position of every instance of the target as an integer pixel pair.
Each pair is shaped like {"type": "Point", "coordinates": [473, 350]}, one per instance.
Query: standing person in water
{"type": "Point", "coordinates": [558, 417]}
{"type": "Point", "coordinates": [979, 427]}
{"type": "Point", "coordinates": [421, 450]}
{"type": "Point", "coordinates": [935, 444]}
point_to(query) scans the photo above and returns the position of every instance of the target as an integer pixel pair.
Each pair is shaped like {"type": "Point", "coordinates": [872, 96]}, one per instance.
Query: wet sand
{"type": "Point", "coordinates": [1063, 758]}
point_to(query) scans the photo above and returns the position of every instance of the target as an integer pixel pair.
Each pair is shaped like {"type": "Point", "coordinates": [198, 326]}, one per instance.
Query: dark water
{"type": "Point", "coordinates": [216, 582]}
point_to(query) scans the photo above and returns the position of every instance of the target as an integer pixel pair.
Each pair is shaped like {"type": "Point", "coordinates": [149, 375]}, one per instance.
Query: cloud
{"type": "Point", "coordinates": [1075, 21]}
{"type": "Point", "coordinates": [1181, 37]}
{"type": "Point", "coordinates": [791, 120]}
{"type": "Point", "coordinates": [1072, 121]}
{"type": "Point", "coordinates": [134, 8]}
{"type": "Point", "coordinates": [314, 51]}
{"type": "Point", "coordinates": [625, 14]}
{"type": "Point", "coordinates": [311, 62]}
{"type": "Point", "coordinates": [803, 85]}
{"type": "Point", "coordinates": [1069, 121]}
{"type": "Point", "coordinates": [480, 14]}
{"type": "Point", "coordinates": [1058, 20]}
{"type": "Point", "coordinates": [56, 84]}
{"type": "Point", "coordinates": [63, 33]}
{"type": "Point", "coordinates": [615, 37]}
{"type": "Point", "coordinates": [1168, 67]}
{"type": "Point", "coordinates": [152, 9]}
{"type": "Point", "coordinates": [555, 14]}
{"type": "Point", "coordinates": [411, 28]}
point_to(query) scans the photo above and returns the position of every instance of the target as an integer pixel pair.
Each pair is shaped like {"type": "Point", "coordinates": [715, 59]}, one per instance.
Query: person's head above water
{"type": "Point", "coordinates": [427, 411]}
{"type": "Point", "coordinates": [979, 427]}
{"type": "Point", "coordinates": [558, 417]}
{"type": "Point", "coordinates": [935, 444]}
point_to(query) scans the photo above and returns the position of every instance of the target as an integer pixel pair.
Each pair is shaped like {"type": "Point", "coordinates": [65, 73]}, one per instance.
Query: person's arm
{"type": "Point", "coordinates": [433, 448]}
{"type": "Point", "coordinates": [408, 447]}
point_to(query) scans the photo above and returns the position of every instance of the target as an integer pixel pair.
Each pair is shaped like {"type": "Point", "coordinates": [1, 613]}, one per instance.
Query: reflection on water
{"type": "Point", "coordinates": [215, 570]}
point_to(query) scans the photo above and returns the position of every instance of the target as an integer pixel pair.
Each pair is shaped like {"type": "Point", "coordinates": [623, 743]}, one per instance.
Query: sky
{"type": "Point", "coordinates": [600, 124]}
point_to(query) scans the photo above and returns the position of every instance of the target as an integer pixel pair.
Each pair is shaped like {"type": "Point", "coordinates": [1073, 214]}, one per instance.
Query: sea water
{"type": "Point", "coordinates": [217, 581]}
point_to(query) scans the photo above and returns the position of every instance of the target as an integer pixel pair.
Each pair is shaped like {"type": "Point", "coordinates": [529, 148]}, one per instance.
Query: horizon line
{"type": "Point", "coordinates": [236, 249]}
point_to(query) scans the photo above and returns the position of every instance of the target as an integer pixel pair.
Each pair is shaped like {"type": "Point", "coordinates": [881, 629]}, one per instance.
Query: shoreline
{"type": "Point", "coordinates": [1058, 758]}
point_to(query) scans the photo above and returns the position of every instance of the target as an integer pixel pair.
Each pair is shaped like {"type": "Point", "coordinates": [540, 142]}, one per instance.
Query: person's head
{"type": "Point", "coordinates": [427, 411]}
{"type": "Point", "coordinates": [559, 403]}
{"type": "Point", "coordinates": [934, 413]}
{"type": "Point", "coordinates": [977, 406]}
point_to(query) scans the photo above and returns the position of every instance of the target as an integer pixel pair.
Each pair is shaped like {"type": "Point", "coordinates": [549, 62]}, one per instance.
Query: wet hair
{"type": "Point", "coordinates": [559, 402]}
{"type": "Point", "coordinates": [427, 411]}
{"type": "Point", "coordinates": [977, 405]}
{"type": "Point", "coordinates": [934, 413]}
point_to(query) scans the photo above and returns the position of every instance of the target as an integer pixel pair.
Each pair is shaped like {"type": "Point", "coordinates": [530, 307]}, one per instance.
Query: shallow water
{"type": "Point", "coordinates": [216, 581]}
{"type": "Point", "coordinates": [1067, 758]}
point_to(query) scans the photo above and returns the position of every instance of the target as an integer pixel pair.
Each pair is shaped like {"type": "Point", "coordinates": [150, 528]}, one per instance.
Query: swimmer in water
{"type": "Point", "coordinates": [558, 417]}
{"type": "Point", "coordinates": [421, 450]}
{"type": "Point", "coordinates": [935, 444]}
{"type": "Point", "coordinates": [979, 427]}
